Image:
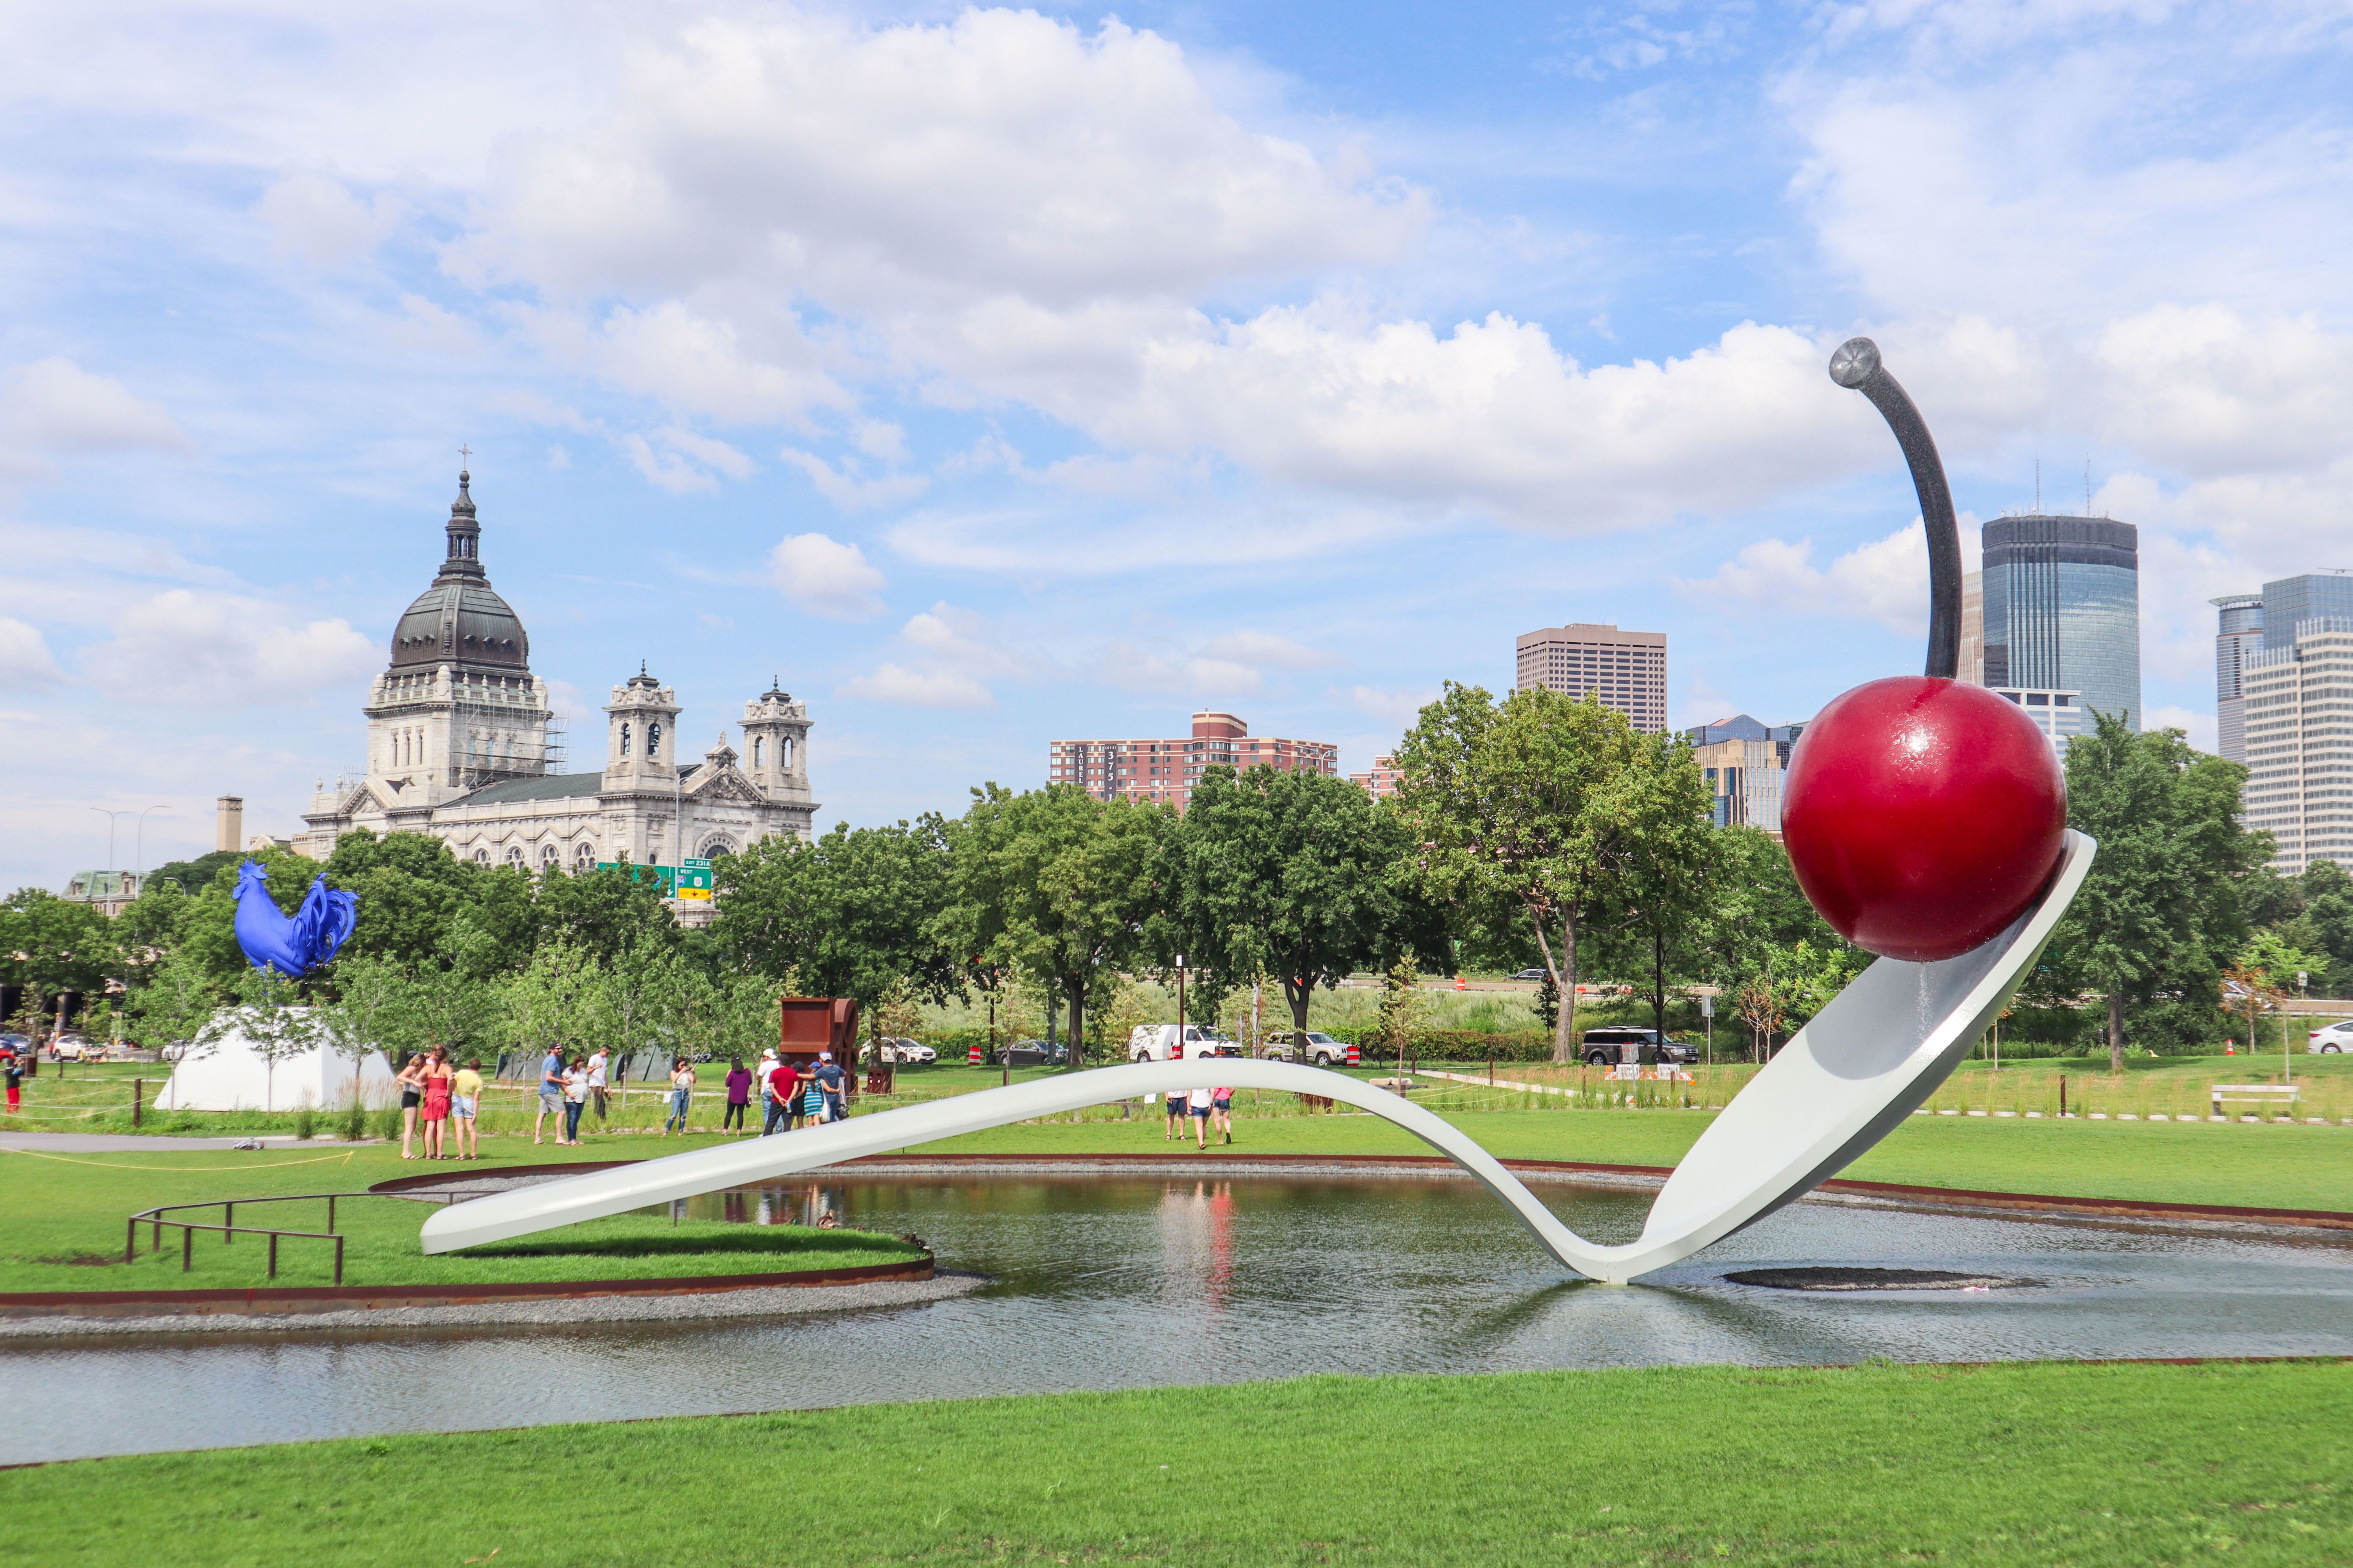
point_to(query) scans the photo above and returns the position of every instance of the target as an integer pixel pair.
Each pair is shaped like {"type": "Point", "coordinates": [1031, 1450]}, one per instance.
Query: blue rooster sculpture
{"type": "Point", "coordinates": [293, 946]}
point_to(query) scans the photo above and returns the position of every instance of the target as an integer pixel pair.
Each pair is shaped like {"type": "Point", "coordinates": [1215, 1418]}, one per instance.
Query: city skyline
{"type": "Point", "coordinates": [1321, 367]}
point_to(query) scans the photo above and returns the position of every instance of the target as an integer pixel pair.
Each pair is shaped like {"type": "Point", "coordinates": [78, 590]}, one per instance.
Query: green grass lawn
{"type": "Point", "coordinates": [2043, 1463]}
{"type": "Point", "coordinates": [66, 1214]}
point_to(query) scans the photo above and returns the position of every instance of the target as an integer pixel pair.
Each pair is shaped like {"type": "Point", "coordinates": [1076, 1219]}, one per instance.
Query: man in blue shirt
{"type": "Point", "coordinates": [829, 1079]}
{"type": "Point", "coordinates": [550, 1094]}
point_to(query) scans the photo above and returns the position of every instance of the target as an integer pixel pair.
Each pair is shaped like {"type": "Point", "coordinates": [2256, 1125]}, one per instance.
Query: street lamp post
{"type": "Point", "coordinates": [139, 854]}
{"type": "Point", "coordinates": [110, 816]}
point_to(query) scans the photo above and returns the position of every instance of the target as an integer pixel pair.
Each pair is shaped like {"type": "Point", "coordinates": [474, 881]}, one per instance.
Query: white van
{"type": "Point", "coordinates": [1157, 1043]}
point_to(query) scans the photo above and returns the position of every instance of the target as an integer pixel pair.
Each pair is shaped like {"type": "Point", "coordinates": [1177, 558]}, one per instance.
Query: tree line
{"type": "Point", "coordinates": [1527, 831]}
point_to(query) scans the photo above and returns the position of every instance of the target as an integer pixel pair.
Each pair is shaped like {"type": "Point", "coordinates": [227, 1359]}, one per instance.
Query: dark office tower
{"type": "Point", "coordinates": [2240, 634]}
{"type": "Point", "coordinates": [2063, 609]}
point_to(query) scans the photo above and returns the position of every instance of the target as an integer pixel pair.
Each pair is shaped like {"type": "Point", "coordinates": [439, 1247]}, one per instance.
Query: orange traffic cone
{"type": "Point", "coordinates": [1460, 984]}
{"type": "Point", "coordinates": [2229, 1047]}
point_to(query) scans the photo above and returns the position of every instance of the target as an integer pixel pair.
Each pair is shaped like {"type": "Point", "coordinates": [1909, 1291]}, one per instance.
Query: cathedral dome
{"type": "Point", "coordinates": [460, 619]}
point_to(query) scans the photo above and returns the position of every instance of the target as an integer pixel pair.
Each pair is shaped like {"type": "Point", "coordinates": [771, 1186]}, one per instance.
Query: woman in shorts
{"type": "Point", "coordinates": [1198, 1103]}
{"type": "Point", "coordinates": [412, 1094]}
{"type": "Point", "coordinates": [1174, 1127]}
{"type": "Point", "coordinates": [465, 1101]}
{"type": "Point", "coordinates": [1221, 1112]}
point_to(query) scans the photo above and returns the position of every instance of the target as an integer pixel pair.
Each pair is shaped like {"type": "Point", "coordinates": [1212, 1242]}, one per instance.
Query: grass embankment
{"type": "Point", "coordinates": [65, 1215]}
{"type": "Point", "coordinates": [2018, 1463]}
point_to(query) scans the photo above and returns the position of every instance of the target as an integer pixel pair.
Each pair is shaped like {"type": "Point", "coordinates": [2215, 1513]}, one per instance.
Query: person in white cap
{"type": "Point", "coordinates": [830, 1078]}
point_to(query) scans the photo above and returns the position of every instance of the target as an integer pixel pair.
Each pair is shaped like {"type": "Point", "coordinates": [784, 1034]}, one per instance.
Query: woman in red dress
{"type": "Point", "coordinates": [437, 1077]}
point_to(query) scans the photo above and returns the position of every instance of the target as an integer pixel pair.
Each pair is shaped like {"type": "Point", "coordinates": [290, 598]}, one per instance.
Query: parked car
{"type": "Point", "coordinates": [896, 1052]}
{"type": "Point", "coordinates": [2331, 1041]}
{"type": "Point", "coordinates": [1321, 1049]}
{"type": "Point", "coordinates": [71, 1047]}
{"type": "Point", "coordinates": [1157, 1043]}
{"type": "Point", "coordinates": [1036, 1054]}
{"type": "Point", "coordinates": [1534, 974]}
{"type": "Point", "coordinates": [1608, 1048]}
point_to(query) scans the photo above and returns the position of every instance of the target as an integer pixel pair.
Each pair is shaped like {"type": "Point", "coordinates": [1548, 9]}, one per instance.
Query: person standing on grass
{"type": "Point", "coordinates": [739, 1095]}
{"type": "Point", "coordinates": [834, 1082]}
{"type": "Point", "coordinates": [1174, 1126]}
{"type": "Point", "coordinates": [465, 1104]}
{"type": "Point", "coordinates": [596, 1060]}
{"type": "Point", "coordinates": [575, 1099]}
{"type": "Point", "coordinates": [1197, 1102]}
{"type": "Point", "coordinates": [411, 1080]}
{"type": "Point", "coordinates": [437, 1075]}
{"type": "Point", "coordinates": [812, 1101]}
{"type": "Point", "coordinates": [1221, 1112]}
{"type": "Point", "coordinates": [14, 1066]}
{"type": "Point", "coordinates": [782, 1084]}
{"type": "Point", "coordinates": [550, 1094]}
{"type": "Point", "coordinates": [682, 1096]}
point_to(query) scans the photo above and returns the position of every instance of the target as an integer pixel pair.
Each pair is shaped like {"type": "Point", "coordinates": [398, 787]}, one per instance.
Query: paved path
{"type": "Point", "coordinates": [125, 1142]}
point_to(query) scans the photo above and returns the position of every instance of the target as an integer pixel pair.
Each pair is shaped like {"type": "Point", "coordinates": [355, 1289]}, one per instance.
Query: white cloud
{"type": "Point", "coordinates": [845, 490]}
{"type": "Point", "coordinates": [920, 689]}
{"type": "Point", "coordinates": [2204, 729]}
{"type": "Point", "coordinates": [1886, 581]}
{"type": "Point", "coordinates": [1266, 650]}
{"type": "Point", "coordinates": [53, 405]}
{"type": "Point", "coordinates": [826, 577]}
{"type": "Point", "coordinates": [1000, 155]}
{"type": "Point", "coordinates": [1491, 416]}
{"type": "Point", "coordinates": [1396, 709]}
{"type": "Point", "coordinates": [25, 654]}
{"type": "Point", "coordinates": [202, 648]}
{"type": "Point", "coordinates": [315, 218]}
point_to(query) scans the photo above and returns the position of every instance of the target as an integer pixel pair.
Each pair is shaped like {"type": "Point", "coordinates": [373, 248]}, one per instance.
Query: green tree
{"type": "Point", "coordinates": [1522, 806]}
{"type": "Point", "coordinates": [1294, 874]}
{"type": "Point", "coordinates": [50, 946]}
{"type": "Point", "coordinates": [1075, 880]}
{"type": "Point", "coordinates": [1672, 867]}
{"type": "Point", "coordinates": [2161, 912]}
{"type": "Point", "coordinates": [852, 913]}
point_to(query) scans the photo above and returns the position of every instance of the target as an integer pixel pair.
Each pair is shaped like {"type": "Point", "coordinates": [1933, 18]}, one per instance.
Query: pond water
{"type": "Point", "coordinates": [1120, 1282]}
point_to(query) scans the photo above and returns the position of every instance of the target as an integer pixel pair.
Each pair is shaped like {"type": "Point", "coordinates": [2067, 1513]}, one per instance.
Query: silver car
{"type": "Point", "coordinates": [2333, 1039]}
{"type": "Point", "coordinates": [1321, 1049]}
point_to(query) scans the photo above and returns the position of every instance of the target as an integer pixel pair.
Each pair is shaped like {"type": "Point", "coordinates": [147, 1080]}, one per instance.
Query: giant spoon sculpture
{"type": "Point", "coordinates": [1926, 819]}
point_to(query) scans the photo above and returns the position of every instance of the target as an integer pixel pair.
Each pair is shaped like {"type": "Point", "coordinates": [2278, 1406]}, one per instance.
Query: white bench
{"type": "Point", "coordinates": [2255, 1094]}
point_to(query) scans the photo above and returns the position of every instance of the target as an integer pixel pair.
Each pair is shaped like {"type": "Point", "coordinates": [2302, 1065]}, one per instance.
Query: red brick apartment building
{"type": "Point", "coordinates": [1380, 780]}
{"type": "Point", "coordinates": [1166, 769]}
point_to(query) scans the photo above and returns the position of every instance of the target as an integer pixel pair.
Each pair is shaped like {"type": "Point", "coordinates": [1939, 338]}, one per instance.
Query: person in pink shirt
{"type": "Point", "coordinates": [1221, 1112]}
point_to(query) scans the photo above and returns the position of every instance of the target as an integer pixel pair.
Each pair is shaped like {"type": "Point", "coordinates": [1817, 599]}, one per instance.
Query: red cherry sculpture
{"type": "Point", "coordinates": [1923, 815]}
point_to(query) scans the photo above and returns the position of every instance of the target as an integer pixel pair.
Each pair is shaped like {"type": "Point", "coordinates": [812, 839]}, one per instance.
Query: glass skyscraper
{"type": "Point", "coordinates": [2282, 685]}
{"type": "Point", "coordinates": [2063, 609]}
{"type": "Point", "coordinates": [2240, 634]}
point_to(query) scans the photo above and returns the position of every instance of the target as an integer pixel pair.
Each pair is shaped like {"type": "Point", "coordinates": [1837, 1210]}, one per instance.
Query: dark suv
{"type": "Point", "coordinates": [1608, 1048]}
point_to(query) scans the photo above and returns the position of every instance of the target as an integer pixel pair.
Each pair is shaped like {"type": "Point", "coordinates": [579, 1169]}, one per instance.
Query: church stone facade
{"type": "Point", "coordinates": [463, 745]}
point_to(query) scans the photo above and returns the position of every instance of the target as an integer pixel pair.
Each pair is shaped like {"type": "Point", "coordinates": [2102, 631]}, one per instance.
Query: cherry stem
{"type": "Point", "coordinates": [1857, 365]}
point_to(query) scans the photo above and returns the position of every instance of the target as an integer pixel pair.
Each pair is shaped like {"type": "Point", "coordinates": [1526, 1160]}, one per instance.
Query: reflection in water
{"type": "Point", "coordinates": [1110, 1282]}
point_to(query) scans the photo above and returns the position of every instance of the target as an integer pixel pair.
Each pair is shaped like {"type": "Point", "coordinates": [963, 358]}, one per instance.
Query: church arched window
{"type": "Point", "coordinates": [786, 760]}
{"type": "Point", "coordinates": [718, 844]}
{"type": "Point", "coordinates": [583, 857]}
{"type": "Point", "coordinates": [625, 739]}
{"type": "Point", "coordinates": [759, 751]}
{"type": "Point", "coordinates": [653, 742]}
{"type": "Point", "coordinates": [551, 857]}
{"type": "Point", "coordinates": [482, 857]}
{"type": "Point", "coordinates": [516, 856]}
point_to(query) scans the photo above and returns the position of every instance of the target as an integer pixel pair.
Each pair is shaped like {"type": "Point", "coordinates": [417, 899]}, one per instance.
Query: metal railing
{"type": "Point", "coordinates": [230, 1230]}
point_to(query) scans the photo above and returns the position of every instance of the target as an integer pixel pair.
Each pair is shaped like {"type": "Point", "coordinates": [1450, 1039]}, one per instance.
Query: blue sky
{"type": "Point", "coordinates": [991, 376]}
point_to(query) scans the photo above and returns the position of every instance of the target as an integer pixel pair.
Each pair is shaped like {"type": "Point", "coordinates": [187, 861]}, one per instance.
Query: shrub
{"type": "Point", "coordinates": [355, 1120]}
{"type": "Point", "coordinates": [306, 1123]}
